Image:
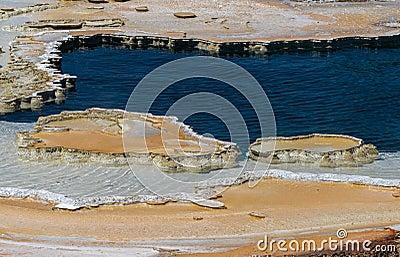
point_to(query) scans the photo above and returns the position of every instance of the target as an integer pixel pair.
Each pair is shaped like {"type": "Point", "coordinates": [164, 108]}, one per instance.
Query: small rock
{"type": "Point", "coordinates": [57, 25]}
{"type": "Point", "coordinates": [142, 9]}
{"type": "Point", "coordinates": [258, 215]}
{"type": "Point", "coordinates": [36, 102]}
{"type": "Point", "coordinates": [208, 203]}
{"type": "Point", "coordinates": [98, 1]}
{"type": "Point", "coordinates": [185, 15]}
{"type": "Point", "coordinates": [394, 227]}
{"type": "Point", "coordinates": [197, 218]}
{"type": "Point", "coordinates": [60, 93]}
{"type": "Point", "coordinates": [216, 196]}
{"type": "Point", "coordinates": [7, 9]}
{"type": "Point", "coordinates": [95, 7]}
{"type": "Point", "coordinates": [161, 202]}
{"type": "Point", "coordinates": [66, 206]}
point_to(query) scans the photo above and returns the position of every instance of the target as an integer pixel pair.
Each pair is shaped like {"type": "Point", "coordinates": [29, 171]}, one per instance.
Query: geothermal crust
{"type": "Point", "coordinates": [96, 135]}
{"type": "Point", "coordinates": [33, 43]}
{"type": "Point", "coordinates": [322, 149]}
{"type": "Point", "coordinates": [33, 76]}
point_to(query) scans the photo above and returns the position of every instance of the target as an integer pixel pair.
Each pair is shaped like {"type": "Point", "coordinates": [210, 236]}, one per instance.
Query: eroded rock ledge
{"type": "Point", "coordinates": [33, 76]}
{"type": "Point", "coordinates": [226, 48]}
{"type": "Point", "coordinates": [322, 149]}
{"type": "Point", "coordinates": [111, 136]}
{"type": "Point", "coordinates": [6, 13]}
{"type": "Point", "coordinates": [48, 25]}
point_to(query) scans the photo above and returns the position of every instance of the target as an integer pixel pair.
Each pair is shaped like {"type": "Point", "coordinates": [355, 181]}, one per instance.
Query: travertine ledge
{"type": "Point", "coordinates": [33, 76]}
{"type": "Point", "coordinates": [111, 137]}
{"type": "Point", "coordinates": [322, 149]}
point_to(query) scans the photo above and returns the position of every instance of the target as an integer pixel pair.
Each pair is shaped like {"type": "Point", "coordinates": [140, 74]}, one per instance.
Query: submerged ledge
{"type": "Point", "coordinates": [325, 150]}
{"type": "Point", "coordinates": [34, 77]}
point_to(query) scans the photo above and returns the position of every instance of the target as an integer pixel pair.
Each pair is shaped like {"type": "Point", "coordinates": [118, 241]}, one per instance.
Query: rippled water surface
{"type": "Point", "coordinates": [353, 91]}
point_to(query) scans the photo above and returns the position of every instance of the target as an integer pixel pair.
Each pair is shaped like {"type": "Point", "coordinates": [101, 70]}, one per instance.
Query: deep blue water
{"type": "Point", "coordinates": [354, 91]}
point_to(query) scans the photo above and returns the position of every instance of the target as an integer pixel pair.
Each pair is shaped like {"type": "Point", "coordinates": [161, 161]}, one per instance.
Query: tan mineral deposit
{"type": "Point", "coordinates": [113, 136]}
{"type": "Point", "coordinates": [35, 34]}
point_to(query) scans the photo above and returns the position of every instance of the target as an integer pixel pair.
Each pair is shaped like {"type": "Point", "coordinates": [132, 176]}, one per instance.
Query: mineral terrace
{"type": "Point", "coordinates": [321, 149]}
{"type": "Point", "coordinates": [111, 136]}
{"type": "Point", "coordinates": [34, 34]}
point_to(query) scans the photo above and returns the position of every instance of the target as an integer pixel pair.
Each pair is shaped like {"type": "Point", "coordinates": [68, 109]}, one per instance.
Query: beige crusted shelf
{"type": "Point", "coordinates": [96, 135]}
{"type": "Point", "coordinates": [322, 149]}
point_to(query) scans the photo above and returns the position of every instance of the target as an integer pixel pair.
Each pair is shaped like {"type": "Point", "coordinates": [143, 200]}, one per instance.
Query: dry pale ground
{"type": "Point", "coordinates": [291, 208]}
{"type": "Point", "coordinates": [242, 20]}
{"type": "Point", "coordinates": [85, 134]}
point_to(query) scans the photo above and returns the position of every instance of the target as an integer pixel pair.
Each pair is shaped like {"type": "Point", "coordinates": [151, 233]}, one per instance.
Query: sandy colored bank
{"type": "Point", "coordinates": [289, 207]}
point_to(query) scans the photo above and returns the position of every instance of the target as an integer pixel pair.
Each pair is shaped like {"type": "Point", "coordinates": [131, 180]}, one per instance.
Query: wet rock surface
{"type": "Point", "coordinates": [185, 15]}
{"type": "Point", "coordinates": [33, 76]}
{"type": "Point", "coordinates": [74, 24]}
{"type": "Point", "coordinates": [68, 24]}
{"type": "Point", "coordinates": [8, 12]}
{"type": "Point", "coordinates": [322, 149]}
{"type": "Point", "coordinates": [96, 135]}
{"type": "Point", "coordinates": [142, 9]}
